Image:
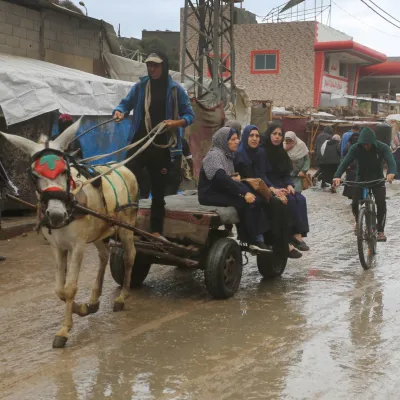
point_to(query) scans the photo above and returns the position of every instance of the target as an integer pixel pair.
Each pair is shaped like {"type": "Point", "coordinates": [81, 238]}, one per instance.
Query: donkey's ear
{"type": "Point", "coordinates": [64, 140]}
{"type": "Point", "coordinates": [24, 144]}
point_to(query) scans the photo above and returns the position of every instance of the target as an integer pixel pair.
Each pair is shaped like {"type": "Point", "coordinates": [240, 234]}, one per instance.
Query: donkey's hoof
{"type": "Point", "coordinates": [59, 342]}
{"type": "Point", "coordinates": [118, 306]}
{"type": "Point", "coordinates": [83, 310]}
{"type": "Point", "coordinates": [93, 308]}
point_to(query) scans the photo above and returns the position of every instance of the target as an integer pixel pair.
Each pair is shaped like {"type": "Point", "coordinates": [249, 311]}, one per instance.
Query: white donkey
{"type": "Point", "coordinates": [55, 179]}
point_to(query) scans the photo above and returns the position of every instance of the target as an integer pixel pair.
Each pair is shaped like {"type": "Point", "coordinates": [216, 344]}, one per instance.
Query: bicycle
{"type": "Point", "coordinates": [366, 223]}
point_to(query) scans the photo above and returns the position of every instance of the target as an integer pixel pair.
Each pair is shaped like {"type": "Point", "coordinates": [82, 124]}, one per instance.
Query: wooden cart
{"type": "Point", "coordinates": [196, 238]}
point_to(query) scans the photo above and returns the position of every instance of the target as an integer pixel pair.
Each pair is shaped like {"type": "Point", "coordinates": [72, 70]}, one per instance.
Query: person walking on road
{"type": "Point", "coordinates": [346, 137]}
{"type": "Point", "coordinates": [330, 159]}
{"type": "Point", "coordinates": [325, 135]}
{"type": "Point", "coordinates": [155, 99]}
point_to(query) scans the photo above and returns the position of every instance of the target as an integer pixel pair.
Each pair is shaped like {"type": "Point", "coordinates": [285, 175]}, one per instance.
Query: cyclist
{"type": "Point", "coordinates": [370, 154]}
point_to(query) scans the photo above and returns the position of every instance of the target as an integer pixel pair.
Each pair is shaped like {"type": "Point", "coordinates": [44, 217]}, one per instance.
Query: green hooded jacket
{"type": "Point", "coordinates": [369, 163]}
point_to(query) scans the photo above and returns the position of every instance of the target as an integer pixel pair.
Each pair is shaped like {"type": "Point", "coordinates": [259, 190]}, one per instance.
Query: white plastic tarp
{"type": "Point", "coordinates": [131, 70]}
{"type": "Point", "coordinates": [29, 88]}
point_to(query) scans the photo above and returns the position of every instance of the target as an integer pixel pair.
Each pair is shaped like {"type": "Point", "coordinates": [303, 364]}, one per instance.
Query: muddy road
{"type": "Point", "coordinates": [325, 330]}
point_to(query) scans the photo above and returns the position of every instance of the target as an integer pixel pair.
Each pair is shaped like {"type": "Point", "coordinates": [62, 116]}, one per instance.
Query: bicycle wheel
{"type": "Point", "coordinates": [365, 238]}
{"type": "Point", "coordinates": [374, 230]}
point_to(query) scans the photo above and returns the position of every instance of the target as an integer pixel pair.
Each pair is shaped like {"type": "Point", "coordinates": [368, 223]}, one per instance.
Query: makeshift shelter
{"type": "Point", "coordinates": [33, 92]}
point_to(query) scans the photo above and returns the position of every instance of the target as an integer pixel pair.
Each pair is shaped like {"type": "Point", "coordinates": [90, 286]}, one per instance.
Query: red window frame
{"type": "Point", "coordinates": [254, 53]}
{"type": "Point", "coordinates": [226, 74]}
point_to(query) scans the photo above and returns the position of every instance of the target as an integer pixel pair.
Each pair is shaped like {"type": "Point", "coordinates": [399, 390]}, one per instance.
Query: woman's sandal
{"type": "Point", "coordinates": [302, 246]}
{"type": "Point", "coordinates": [294, 254]}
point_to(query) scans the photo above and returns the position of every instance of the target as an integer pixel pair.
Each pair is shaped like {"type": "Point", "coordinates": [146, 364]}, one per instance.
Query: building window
{"type": "Point", "coordinates": [327, 65]}
{"type": "Point", "coordinates": [343, 70]}
{"type": "Point", "coordinates": [265, 62]}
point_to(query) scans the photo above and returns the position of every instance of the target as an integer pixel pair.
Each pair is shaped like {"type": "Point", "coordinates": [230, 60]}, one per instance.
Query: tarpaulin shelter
{"type": "Point", "coordinates": [29, 88]}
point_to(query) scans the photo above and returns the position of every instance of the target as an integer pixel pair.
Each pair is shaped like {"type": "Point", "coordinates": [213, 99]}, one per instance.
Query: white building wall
{"type": "Point", "coordinates": [325, 33]}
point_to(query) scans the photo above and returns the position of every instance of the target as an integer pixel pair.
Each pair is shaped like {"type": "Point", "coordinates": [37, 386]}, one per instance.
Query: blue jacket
{"type": "Point", "coordinates": [135, 101]}
{"type": "Point", "coordinates": [346, 137]}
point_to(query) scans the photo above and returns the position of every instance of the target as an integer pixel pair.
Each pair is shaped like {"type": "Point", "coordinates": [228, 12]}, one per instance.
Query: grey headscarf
{"type": "Point", "coordinates": [233, 123]}
{"type": "Point", "coordinates": [219, 156]}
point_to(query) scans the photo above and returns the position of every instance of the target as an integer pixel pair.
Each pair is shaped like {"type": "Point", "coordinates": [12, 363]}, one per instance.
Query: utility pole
{"type": "Point", "coordinates": [208, 40]}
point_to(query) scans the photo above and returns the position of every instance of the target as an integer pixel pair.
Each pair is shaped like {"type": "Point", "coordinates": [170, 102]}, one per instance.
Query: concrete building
{"type": "Point", "coordinates": [381, 81]}
{"type": "Point", "coordinates": [301, 64]}
{"type": "Point", "coordinates": [41, 30]}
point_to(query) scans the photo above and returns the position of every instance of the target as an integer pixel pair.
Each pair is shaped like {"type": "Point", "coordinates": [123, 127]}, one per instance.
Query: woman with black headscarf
{"type": "Point", "coordinates": [156, 98]}
{"type": "Point", "coordinates": [218, 186]}
{"type": "Point", "coordinates": [279, 167]}
{"type": "Point", "coordinates": [250, 163]}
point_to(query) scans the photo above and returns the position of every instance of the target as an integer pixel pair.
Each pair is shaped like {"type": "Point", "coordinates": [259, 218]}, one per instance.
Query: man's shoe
{"type": "Point", "coordinates": [382, 237]}
{"type": "Point", "coordinates": [2, 258]}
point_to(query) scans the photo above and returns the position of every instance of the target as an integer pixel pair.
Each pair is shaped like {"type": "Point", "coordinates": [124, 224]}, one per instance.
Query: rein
{"type": "Point", "coordinates": [68, 196]}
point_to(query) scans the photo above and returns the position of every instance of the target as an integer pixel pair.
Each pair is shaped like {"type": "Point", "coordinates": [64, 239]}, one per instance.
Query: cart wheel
{"type": "Point", "coordinates": [270, 266]}
{"type": "Point", "coordinates": [140, 268]}
{"type": "Point", "coordinates": [224, 267]}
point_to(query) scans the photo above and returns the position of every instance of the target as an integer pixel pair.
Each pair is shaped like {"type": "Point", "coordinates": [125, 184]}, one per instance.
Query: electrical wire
{"type": "Point", "coordinates": [360, 20]}
{"type": "Point", "coordinates": [376, 12]}
{"type": "Point", "coordinates": [391, 16]}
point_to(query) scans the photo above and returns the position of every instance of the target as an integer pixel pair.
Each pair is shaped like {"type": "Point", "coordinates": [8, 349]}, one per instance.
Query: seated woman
{"type": "Point", "coordinates": [298, 152]}
{"type": "Point", "coordinates": [250, 163]}
{"type": "Point", "coordinates": [218, 186]}
{"type": "Point", "coordinates": [279, 167]}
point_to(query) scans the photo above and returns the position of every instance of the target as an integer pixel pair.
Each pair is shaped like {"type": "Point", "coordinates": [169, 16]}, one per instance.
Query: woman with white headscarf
{"type": "Point", "coordinates": [300, 157]}
{"type": "Point", "coordinates": [220, 186]}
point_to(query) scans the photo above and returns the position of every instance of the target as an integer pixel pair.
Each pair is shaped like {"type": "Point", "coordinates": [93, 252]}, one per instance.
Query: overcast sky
{"type": "Point", "coordinates": [135, 15]}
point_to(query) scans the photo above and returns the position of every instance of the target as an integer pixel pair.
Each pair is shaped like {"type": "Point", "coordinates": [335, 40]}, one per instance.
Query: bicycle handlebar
{"type": "Point", "coordinates": [365, 183]}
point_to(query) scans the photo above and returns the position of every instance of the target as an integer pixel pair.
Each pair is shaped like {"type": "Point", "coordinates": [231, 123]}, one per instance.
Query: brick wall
{"type": "Point", "coordinates": [19, 30]}
{"type": "Point", "coordinates": [65, 40]}
{"type": "Point", "coordinates": [294, 84]}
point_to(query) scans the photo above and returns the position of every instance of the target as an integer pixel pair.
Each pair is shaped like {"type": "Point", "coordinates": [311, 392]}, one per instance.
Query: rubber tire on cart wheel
{"type": "Point", "coordinates": [270, 266]}
{"type": "Point", "coordinates": [224, 267]}
{"type": "Point", "coordinates": [140, 268]}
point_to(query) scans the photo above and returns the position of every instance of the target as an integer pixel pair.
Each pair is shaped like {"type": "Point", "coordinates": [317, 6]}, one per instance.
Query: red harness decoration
{"type": "Point", "coordinates": [50, 166]}
{"type": "Point", "coordinates": [52, 189]}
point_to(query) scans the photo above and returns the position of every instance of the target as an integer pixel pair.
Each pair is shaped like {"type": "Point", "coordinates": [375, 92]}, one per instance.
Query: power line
{"type": "Point", "coordinates": [376, 5]}
{"type": "Point", "coordinates": [358, 19]}
{"type": "Point", "coordinates": [376, 12]}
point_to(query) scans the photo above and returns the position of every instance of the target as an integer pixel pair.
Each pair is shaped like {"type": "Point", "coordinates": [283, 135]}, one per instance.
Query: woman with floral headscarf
{"type": "Point", "coordinates": [279, 167]}
{"type": "Point", "coordinates": [220, 186]}
{"type": "Point", "coordinates": [298, 152]}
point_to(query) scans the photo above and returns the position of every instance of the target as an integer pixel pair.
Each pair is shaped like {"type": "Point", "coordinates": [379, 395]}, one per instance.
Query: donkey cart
{"type": "Point", "coordinates": [195, 239]}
